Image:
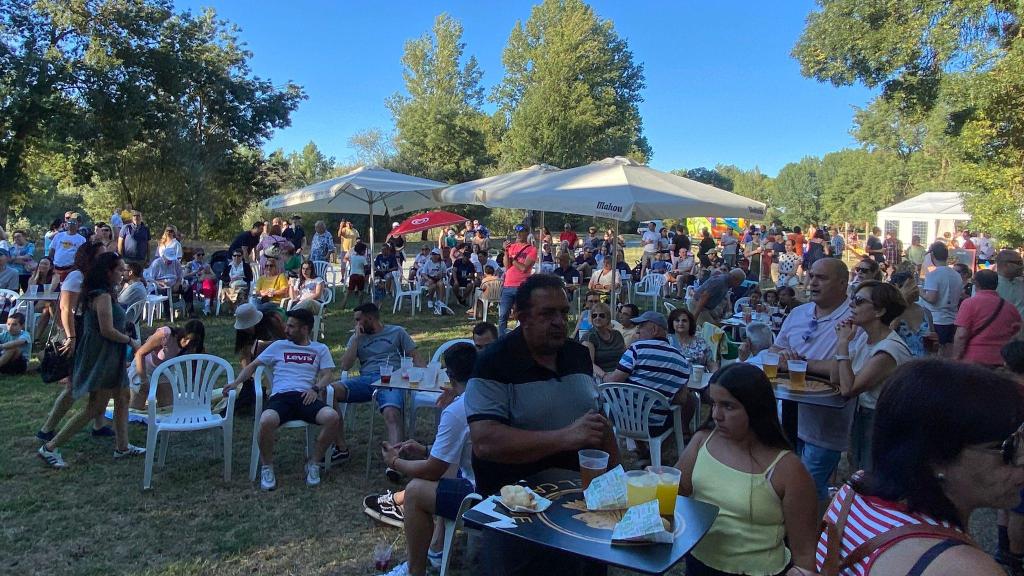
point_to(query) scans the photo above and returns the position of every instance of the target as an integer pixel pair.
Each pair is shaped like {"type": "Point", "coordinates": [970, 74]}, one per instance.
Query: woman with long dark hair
{"type": "Point", "coordinates": [98, 369]}
{"type": "Point", "coordinates": [947, 441]}
{"type": "Point", "coordinates": [741, 462]}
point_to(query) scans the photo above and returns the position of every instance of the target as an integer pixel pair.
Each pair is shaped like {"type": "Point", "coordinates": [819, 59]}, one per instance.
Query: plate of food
{"type": "Point", "coordinates": [516, 498]}
{"type": "Point", "coordinates": [810, 385]}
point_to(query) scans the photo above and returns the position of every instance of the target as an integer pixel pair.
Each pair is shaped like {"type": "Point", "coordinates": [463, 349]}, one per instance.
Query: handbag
{"type": "Point", "coordinates": [56, 364]}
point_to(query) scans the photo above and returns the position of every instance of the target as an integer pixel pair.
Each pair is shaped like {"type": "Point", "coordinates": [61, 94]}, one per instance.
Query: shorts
{"type": "Point", "coordinates": [289, 406]}
{"type": "Point", "coordinates": [945, 333]}
{"type": "Point", "coordinates": [450, 493]}
{"type": "Point", "coordinates": [359, 390]}
{"type": "Point", "coordinates": [356, 282]}
{"type": "Point", "coordinates": [19, 365]}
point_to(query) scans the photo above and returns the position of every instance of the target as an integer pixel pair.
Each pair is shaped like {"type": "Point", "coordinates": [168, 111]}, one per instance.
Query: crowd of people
{"type": "Point", "coordinates": [927, 353]}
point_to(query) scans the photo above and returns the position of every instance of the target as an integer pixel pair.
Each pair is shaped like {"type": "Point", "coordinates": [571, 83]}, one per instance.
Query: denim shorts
{"type": "Point", "coordinates": [359, 390]}
{"type": "Point", "coordinates": [820, 463]}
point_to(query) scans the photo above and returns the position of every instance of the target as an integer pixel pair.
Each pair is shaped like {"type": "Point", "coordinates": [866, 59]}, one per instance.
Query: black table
{"type": "Point", "coordinates": [790, 399]}
{"type": "Point", "coordinates": [567, 525]}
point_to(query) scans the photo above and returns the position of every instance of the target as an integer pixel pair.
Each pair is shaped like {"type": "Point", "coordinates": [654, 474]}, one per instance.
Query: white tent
{"type": "Point", "coordinates": [927, 215]}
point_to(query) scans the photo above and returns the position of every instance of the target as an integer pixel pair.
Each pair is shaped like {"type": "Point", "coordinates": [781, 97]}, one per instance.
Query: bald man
{"type": "Point", "coordinates": [708, 297]}
{"type": "Point", "coordinates": [809, 333]}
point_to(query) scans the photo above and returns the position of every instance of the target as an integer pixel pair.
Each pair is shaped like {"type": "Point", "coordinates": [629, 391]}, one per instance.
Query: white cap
{"type": "Point", "coordinates": [394, 224]}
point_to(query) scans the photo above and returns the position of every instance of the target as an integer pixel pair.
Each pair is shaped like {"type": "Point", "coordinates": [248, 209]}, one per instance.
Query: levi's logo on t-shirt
{"type": "Point", "coordinates": [299, 358]}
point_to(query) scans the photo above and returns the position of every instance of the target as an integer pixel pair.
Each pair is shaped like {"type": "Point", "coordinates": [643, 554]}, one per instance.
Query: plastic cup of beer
{"type": "Point", "coordinates": [385, 373]}
{"type": "Point", "coordinates": [747, 315]}
{"type": "Point", "coordinates": [797, 373]}
{"type": "Point", "coordinates": [593, 463]}
{"type": "Point", "coordinates": [415, 376]}
{"type": "Point", "coordinates": [641, 486]}
{"type": "Point", "coordinates": [33, 289]}
{"type": "Point", "coordinates": [697, 375]}
{"type": "Point", "coordinates": [771, 365]}
{"type": "Point", "coordinates": [668, 488]}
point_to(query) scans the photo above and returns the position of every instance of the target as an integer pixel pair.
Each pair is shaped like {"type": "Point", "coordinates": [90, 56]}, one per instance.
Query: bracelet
{"type": "Point", "coordinates": [841, 357]}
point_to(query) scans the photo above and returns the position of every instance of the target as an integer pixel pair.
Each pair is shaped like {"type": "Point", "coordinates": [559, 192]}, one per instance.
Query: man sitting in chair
{"type": "Point", "coordinates": [441, 476]}
{"type": "Point", "coordinates": [374, 344]}
{"type": "Point", "coordinates": [654, 363]}
{"type": "Point", "coordinates": [431, 274]}
{"type": "Point", "coordinates": [302, 371]}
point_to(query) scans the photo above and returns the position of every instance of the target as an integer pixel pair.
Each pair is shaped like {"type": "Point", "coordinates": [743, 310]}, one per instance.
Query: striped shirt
{"type": "Point", "coordinates": [658, 365]}
{"type": "Point", "coordinates": [869, 517]}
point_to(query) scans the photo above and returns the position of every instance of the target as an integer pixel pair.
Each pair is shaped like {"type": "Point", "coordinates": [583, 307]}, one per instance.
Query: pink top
{"type": "Point", "coordinates": [983, 347]}
{"type": "Point", "coordinates": [869, 517]}
{"type": "Point", "coordinates": [169, 349]}
{"type": "Point", "coordinates": [517, 252]}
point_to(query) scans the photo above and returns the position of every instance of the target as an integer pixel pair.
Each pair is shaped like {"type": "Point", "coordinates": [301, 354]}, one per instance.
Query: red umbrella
{"type": "Point", "coordinates": [427, 221]}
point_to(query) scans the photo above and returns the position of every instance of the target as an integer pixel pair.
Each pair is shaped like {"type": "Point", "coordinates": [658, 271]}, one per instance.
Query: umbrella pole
{"type": "Point", "coordinates": [615, 268]}
{"type": "Point", "coordinates": [540, 243]}
{"type": "Point", "coordinates": [373, 289]}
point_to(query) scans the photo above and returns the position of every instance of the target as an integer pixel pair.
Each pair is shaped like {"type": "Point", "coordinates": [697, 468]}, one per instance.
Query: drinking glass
{"type": "Point", "coordinates": [668, 488]}
{"type": "Point", "coordinates": [771, 365]}
{"type": "Point", "coordinates": [641, 486]}
{"type": "Point", "coordinates": [593, 463]}
{"type": "Point", "coordinates": [385, 373]}
{"type": "Point", "coordinates": [797, 373]}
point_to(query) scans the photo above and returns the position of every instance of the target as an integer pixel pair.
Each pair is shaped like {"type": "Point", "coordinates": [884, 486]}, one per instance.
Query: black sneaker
{"type": "Point", "coordinates": [393, 475]}
{"type": "Point", "coordinates": [45, 436]}
{"type": "Point", "coordinates": [383, 509]}
{"type": "Point", "coordinates": [104, 432]}
{"type": "Point", "coordinates": [338, 456]}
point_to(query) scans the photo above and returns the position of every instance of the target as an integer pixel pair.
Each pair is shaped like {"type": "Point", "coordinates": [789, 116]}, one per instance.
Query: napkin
{"type": "Point", "coordinates": [607, 491]}
{"type": "Point", "coordinates": [642, 524]}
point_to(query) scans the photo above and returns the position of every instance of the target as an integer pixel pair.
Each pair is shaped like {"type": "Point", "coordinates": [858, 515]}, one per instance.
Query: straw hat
{"type": "Point", "coordinates": [247, 316]}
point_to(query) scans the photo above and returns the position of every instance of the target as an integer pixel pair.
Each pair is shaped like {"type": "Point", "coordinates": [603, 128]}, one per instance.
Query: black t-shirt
{"type": "Point", "coordinates": [464, 270]}
{"type": "Point", "coordinates": [245, 239]}
{"type": "Point", "coordinates": [568, 274]}
{"type": "Point", "coordinates": [874, 243]}
{"type": "Point", "coordinates": [295, 235]}
{"type": "Point", "coordinates": [680, 241]}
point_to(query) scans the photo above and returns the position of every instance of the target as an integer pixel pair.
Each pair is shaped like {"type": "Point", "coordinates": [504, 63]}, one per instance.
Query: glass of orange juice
{"type": "Point", "coordinates": [668, 488]}
{"type": "Point", "coordinates": [641, 486]}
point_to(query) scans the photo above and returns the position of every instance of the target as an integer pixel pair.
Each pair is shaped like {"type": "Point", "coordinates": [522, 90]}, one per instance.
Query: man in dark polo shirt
{"type": "Point", "coordinates": [530, 407]}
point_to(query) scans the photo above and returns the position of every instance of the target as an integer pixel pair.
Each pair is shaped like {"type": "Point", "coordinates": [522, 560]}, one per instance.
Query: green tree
{"type": "Point", "coordinates": [857, 183]}
{"type": "Point", "coordinates": [308, 167]}
{"type": "Point", "coordinates": [798, 193]}
{"type": "Point", "coordinates": [571, 90]}
{"type": "Point", "coordinates": [440, 123]}
{"type": "Point", "coordinates": [709, 176]}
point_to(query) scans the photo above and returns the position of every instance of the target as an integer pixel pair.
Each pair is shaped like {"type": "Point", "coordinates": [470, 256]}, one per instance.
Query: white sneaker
{"type": "Point", "coordinates": [400, 570]}
{"type": "Point", "coordinates": [312, 474]}
{"type": "Point", "coordinates": [131, 450]}
{"type": "Point", "coordinates": [52, 457]}
{"type": "Point", "coordinates": [268, 481]}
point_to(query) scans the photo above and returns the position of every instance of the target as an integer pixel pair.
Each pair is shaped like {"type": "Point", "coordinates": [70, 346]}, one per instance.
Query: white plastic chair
{"type": "Point", "coordinates": [404, 289]}
{"type": "Point", "coordinates": [450, 526]}
{"type": "Point", "coordinates": [650, 286]}
{"type": "Point", "coordinates": [738, 306]}
{"type": "Point", "coordinates": [428, 400]}
{"type": "Point", "coordinates": [154, 303]}
{"type": "Point", "coordinates": [192, 378]}
{"type": "Point", "coordinates": [487, 294]}
{"type": "Point", "coordinates": [254, 458]}
{"type": "Point", "coordinates": [629, 408]}
{"type": "Point", "coordinates": [669, 307]}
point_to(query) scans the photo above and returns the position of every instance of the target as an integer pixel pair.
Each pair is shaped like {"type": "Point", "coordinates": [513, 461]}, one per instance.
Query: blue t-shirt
{"type": "Point", "coordinates": [716, 287]}
{"type": "Point", "coordinates": [6, 337]}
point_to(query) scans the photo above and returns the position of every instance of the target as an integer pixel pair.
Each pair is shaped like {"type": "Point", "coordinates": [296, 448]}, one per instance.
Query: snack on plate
{"type": "Point", "coordinates": [515, 496]}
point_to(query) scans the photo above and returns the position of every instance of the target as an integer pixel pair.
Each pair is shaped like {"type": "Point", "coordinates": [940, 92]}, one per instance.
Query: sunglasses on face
{"type": "Point", "coordinates": [1010, 450]}
{"type": "Point", "coordinates": [236, 255]}
{"type": "Point", "coordinates": [859, 270]}
{"type": "Point", "coordinates": [600, 315]}
{"type": "Point", "coordinates": [858, 300]}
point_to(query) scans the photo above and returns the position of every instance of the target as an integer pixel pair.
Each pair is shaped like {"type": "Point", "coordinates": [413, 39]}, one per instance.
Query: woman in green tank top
{"type": "Point", "coordinates": [741, 462]}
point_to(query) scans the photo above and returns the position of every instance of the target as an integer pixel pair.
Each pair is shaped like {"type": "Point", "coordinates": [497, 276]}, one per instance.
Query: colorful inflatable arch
{"type": "Point", "coordinates": [715, 225]}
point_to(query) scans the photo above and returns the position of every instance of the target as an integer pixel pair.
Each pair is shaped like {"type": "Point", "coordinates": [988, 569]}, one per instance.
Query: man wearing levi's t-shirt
{"type": "Point", "coordinates": [520, 256]}
{"type": "Point", "coordinates": [302, 370]}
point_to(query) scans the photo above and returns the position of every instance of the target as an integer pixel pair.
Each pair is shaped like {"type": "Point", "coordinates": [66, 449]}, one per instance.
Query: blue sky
{"type": "Point", "coordinates": [721, 85]}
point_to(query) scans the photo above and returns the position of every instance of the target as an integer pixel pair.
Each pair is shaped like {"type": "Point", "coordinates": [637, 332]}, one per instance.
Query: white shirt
{"type": "Point", "coordinates": [432, 269]}
{"type": "Point", "coordinates": [653, 238]}
{"type": "Point", "coordinates": [64, 246]}
{"type": "Point", "coordinates": [892, 345]}
{"type": "Point", "coordinates": [295, 367]}
{"type": "Point", "coordinates": [819, 425]}
{"type": "Point", "coordinates": [171, 250]}
{"type": "Point", "coordinates": [985, 249]}
{"type": "Point", "coordinates": [452, 444]}
{"type": "Point", "coordinates": [948, 284]}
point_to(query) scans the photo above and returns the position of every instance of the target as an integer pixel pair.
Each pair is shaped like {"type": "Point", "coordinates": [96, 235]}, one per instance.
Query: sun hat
{"type": "Point", "coordinates": [653, 317]}
{"type": "Point", "coordinates": [247, 316]}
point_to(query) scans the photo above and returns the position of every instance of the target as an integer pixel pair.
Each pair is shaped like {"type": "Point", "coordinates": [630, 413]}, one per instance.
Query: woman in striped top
{"type": "Point", "coordinates": [945, 445]}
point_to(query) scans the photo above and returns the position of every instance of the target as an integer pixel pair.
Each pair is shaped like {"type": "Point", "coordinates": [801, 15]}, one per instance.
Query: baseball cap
{"type": "Point", "coordinates": [653, 317]}
{"type": "Point", "coordinates": [436, 251]}
{"type": "Point", "coordinates": [520, 228]}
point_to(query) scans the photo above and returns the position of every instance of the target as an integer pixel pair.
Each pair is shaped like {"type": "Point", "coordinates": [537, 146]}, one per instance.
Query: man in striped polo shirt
{"type": "Point", "coordinates": [653, 362]}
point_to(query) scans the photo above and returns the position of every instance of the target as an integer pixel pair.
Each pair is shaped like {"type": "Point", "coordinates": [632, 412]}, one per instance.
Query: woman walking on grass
{"type": "Point", "coordinates": [99, 364]}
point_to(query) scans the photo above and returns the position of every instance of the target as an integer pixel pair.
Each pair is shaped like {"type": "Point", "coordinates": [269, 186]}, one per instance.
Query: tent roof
{"type": "Point", "coordinates": [941, 205]}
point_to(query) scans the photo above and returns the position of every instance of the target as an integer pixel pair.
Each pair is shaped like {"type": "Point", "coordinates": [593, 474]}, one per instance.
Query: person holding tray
{"type": "Point", "coordinates": [741, 462]}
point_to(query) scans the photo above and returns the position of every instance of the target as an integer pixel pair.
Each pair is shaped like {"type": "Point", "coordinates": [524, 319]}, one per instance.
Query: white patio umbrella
{"type": "Point", "coordinates": [480, 191]}
{"type": "Point", "coordinates": [616, 188]}
{"type": "Point", "coordinates": [366, 190]}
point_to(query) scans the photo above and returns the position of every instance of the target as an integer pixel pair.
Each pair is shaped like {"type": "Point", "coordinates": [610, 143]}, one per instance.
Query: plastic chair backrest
{"type": "Point", "coordinates": [439, 353]}
{"type": "Point", "coordinates": [192, 378]}
{"type": "Point", "coordinates": [738, 306]}
{"type": "Point", "coordinates": [134, 312]}
{"type": "Point", "coordinates": [629, 407]}
{"type": "Point", "coordinates": [491, 290]}
{"type": "Point", "coordinates": [651, 283]}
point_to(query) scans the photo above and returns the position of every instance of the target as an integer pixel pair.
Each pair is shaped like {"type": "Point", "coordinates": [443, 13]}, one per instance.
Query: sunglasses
{"type": "Point", "coordinates": [858, 300]}
{"type": "Point", "coordinates": [600, 315]}
{"type": "Point", "coordinates": [811, 329]}
{"type": "Point", "coordinates": [1010, 449]}
{"type": "Point", "coordinates": [860, 270]}
{"type": "Point", "coordinates": [236, 255]}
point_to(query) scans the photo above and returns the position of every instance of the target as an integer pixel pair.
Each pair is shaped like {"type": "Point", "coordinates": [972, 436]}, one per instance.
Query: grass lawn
{"type": "Point", "coordinates": [94, 518]}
